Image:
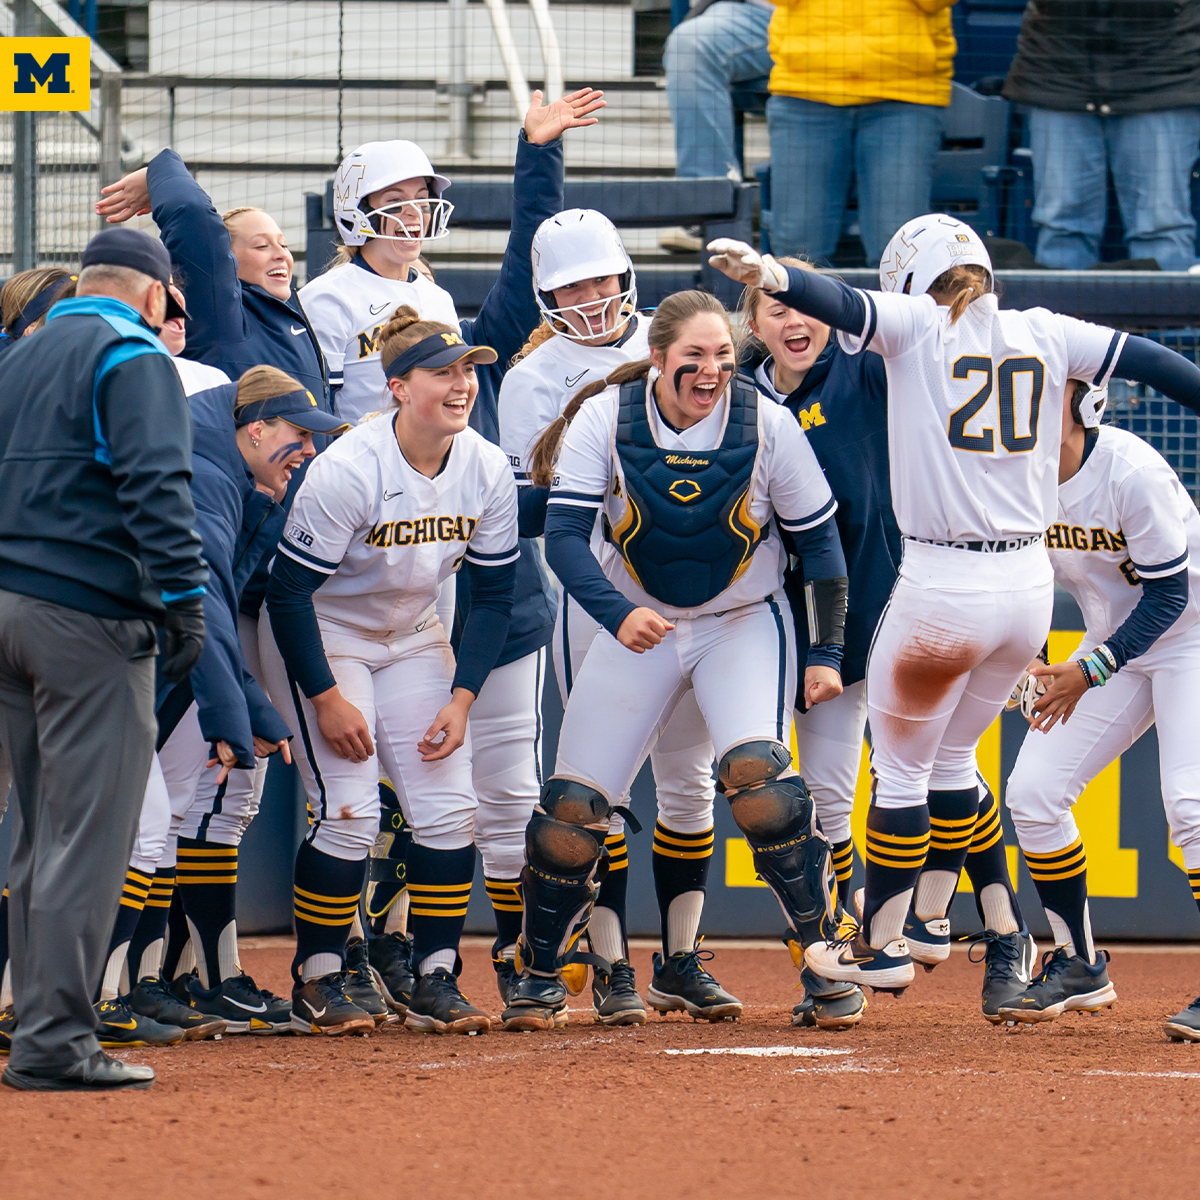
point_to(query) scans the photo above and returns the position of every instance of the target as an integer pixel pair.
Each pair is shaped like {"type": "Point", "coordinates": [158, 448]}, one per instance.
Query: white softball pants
{"type": "Point", "coordinates": [959, 629]}
{"type": "Point", "coordinates": [681, 757]}
{"type": "Point", "coordinates": [399, 686]}
{"type": "Point", "coordinates": [740, 667]}
{"type": "Point", "coordinates": [506, 740]}
{"type": "Point", "coordinates": [829, 740]}
{"type": "Point", "coordinates": [1052, 769]}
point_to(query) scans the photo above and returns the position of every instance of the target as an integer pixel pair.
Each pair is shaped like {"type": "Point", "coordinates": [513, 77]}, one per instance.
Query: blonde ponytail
{"type": "Point", "coordinates": [960, 286]}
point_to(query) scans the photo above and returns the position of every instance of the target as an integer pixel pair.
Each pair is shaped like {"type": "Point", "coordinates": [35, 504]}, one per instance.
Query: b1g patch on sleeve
{"type": "Point", "coordinates": [300, 536]}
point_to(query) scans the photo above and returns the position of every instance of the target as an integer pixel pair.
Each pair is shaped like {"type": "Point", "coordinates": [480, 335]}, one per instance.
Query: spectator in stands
{"type": "Point", "coordinates": [719, 44]}
{"type": "Point", "coordinates": [1111, 85]}
{"type": "Point", "coordinates": [859, 88]}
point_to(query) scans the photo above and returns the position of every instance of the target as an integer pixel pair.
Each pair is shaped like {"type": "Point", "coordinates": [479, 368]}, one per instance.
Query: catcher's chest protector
{"type": "Point", "coordinates": [686, 533]}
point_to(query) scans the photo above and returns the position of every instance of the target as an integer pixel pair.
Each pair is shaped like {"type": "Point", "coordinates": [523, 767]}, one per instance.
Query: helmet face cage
{"type": "Point", "coordinates": [617, 310]}
{"type": "Point", "coordinates": [1088, 404]}
{"type": "Point", "coordinates": [423, 220]}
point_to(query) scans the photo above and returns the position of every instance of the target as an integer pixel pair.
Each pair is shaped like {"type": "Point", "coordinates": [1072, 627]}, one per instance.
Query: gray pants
{"type": "Point", "coordinates": [77, 718]}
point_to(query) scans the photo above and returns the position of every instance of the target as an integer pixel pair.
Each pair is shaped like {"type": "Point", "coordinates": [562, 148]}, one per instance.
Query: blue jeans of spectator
{"type": "Point", "coordinates": [1151, 157]}
{"type": "Point", "coordinates": [890, 147]}
{"type": "Point", "coordinates": [704, 57]}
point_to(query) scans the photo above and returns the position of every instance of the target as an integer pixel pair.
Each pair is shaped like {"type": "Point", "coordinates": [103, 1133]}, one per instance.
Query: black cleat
{"type": "Point", "coordinates": [242, 1005]}
{"type": "Point", "coordinates": [828, 1004]}
{"type": "Point", "coordinates": [322, 1006]}
{"type": "Point", "coordinates": [437, 1006]}
{"type": "Point", "coordinates": [152, 998]}
{"type": "Point", "coordinates": [8, 1025]}
{"type": "Point", "coordinates": [506, 978]}
{"type": "Point", "coordinates": [360, 983]}
{"type": "Point", "coordinates": [392, 968]}
{"type": "Point", "coordinates": [1182, 1027]}
{"type": "Point", "coordinates": [120, 1027]}
{"type": "Point", "coordinates": [681, 984]}
{"type": "Point", "coordinates": [97, 1073]}
{"type": "Point", "coordinates": [615, 996]}
{"type": "Point", "coordinates": [535, 1002]}
{"type": "Point", "coordinates": [1067, 984]}
{"type": "Point", "coordinates": [1008, 960]}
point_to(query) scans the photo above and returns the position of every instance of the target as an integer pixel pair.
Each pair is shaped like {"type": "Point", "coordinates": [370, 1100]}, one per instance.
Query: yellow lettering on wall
{"type": "Point", "coordinates": [739, 864]}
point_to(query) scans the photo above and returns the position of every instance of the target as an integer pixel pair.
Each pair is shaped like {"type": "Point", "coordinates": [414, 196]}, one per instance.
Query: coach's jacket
{"type": "Point", "coordinates": [842, 407]}
{"type": "Point", "coordinates": [95, 446]}
{"type": "Point", "coordinates": [838, 52]}
{"type": "Point", "coordinates": [239, 526]}
{"type": "Point", "coordinates": [508, 316]}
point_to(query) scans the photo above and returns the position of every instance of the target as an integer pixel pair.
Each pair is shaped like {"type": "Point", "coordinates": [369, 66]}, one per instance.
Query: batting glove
{"type": "Point", "coordinates": [183, 638]}
{"type": "Point", "coordinates": [743, 264]}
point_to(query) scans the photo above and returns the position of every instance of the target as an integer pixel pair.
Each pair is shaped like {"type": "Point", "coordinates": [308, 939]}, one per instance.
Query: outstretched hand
{"type": "Point", "coordinates": [128, 197]}
{"type": "Point", "coordinates": [743, 264]}
{"type": "Point", "coordinates": [545, 122]}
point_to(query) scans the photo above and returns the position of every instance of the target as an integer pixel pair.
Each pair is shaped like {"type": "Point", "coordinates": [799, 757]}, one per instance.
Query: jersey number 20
{"type": "Point", "coordinates": [984, 442]}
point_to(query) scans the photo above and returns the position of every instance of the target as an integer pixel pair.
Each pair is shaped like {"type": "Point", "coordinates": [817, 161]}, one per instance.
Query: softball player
{"type": "Point", "coordinates": [1124, 543]}
{"type": "Point", "coordinates": [840, 400]}
{"type": "Point", "coordinates": [382, 519]}
{"type": "Point", "coordinates": [586, 291]}
{"type": "Point", "coordinates": [973, 431]}
{"type": "Point", "coordinates": [348, 313]}
{"type": "Point", "coordinates": [689, 473]}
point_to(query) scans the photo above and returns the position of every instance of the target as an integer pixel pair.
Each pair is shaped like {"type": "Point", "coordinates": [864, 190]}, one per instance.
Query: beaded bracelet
{"type": "Point", "coordinates": [1098, 667]}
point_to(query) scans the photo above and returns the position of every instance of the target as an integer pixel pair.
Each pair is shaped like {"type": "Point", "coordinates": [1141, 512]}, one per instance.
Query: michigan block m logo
{"type": "Point", "coordinates": [52, 75]}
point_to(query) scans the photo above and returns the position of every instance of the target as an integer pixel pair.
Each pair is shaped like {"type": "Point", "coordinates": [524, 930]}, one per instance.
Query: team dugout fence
{"type": "Point", "coordinates": [262, 97]}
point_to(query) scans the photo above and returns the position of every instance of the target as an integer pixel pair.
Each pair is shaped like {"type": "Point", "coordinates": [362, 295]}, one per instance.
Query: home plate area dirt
{"type": "Point", "coordinates": [924, 1099]}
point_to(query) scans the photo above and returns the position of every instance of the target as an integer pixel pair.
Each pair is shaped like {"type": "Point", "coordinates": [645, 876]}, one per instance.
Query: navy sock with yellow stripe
{"type": "Point", "coordinates": [951, 824]}
{"type": "Point", "coordinates": [505, 895]}
{"type": "Point", "coordinates": [843, 868]}
{"type": "Point", "coordinates": [681, 865]}
{"type": "Point", "coordinates": [178, 937]}
{"type": "Point", "coordinates": [207, 878]}
{"type": "Point", "coordinates": [897, 843]}
{"type": "Point", "coordinates": [439, 884]}
{"type": "Point", "coordinates": [1061, 881]}
{"type": "Point", "coordinates": [987, 867]}
{"type": "Point", "coordinates": [326, 893]}
{"type": "Point", "coordinates": [152, 925]}
{"type": "Point", "coordinates": [1193, 882]}
{"type": "Point", "coordinates": [611, 933]}
{"type": "Point", "coordinates": [129, 912]}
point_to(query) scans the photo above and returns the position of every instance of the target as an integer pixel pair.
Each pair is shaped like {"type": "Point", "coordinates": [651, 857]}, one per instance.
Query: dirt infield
{"type": "Point", "coordinates": [924, 1099]}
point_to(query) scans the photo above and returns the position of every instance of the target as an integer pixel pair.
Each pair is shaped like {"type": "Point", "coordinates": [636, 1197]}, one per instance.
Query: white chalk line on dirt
{"type": "Point", "coordinates": [763, 1051]}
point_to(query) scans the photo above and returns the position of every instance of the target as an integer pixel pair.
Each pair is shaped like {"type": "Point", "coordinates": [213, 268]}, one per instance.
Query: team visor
{"type": "Point", "coordinates": [423, 220]}
{"type": "Point", "coordinates": [297, 408]}
{"type": "Point", "coordinates": [437, 351]}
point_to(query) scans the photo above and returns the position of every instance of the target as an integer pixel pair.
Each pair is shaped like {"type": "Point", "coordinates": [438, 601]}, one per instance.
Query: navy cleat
{"type": "Point", "coordinates": [1185, 1026]}
{"type": "Point", "coordinates": [828, 1004]}
{"type": "Point", "coordinates": [152, 998]}
{"type": "Point", "coordinates": [241, 1004]}
{"type": "Point", "coordinates": [1067, 984]}
{"type": "Point", "coordinates": [8, 1026]}
{"type": "Point", "coordinates": [322, 1006]}
{"type": "Point", "coordinates": [360, 983]}
{"type": "Point", "coordinates": [928, 941]}
{"type": "Point", "coordinates": [1008, 961]}
{"type": "Point", "coordinates": [681, 984]}
{"type": "Point", "coordinates": [615, 998]}
{"type": "Point", "coordinates": [851, 960]}
{"type": "Point", "coordinates": [121, 1028]}
{"type": "Point", "coordinates": [437, 1006]}
{"type": "Point", "coordinates": [391, 966]}
{"type": "Point", "coordinates": [536, 1002]}
{"type": "Point", "coordinates": [507, 978]}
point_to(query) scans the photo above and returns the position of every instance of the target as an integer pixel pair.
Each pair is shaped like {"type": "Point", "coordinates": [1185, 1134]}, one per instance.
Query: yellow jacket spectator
{"type": "Point", "coordinates": [861, 51]}
{"type": "Point", "coordinates": [859, 88]}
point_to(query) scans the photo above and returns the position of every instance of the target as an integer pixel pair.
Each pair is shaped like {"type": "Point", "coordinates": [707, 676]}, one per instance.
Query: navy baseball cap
{"type": "Point", "coordinates": [137, 250]}
{"type": "Point", "coordinates": [297, 408]}
{"type": "Point", "coordinates": [438, 350]}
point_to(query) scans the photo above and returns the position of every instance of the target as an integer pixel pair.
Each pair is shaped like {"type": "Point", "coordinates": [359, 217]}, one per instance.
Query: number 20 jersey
{"type": "Point", "coordinates": [975, 410]}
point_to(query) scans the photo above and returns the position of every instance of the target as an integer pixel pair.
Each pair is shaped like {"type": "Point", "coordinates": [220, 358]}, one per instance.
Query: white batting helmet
{"type": "Point", "coordinates": [378, 165]}
{"type": "Point", "coordinates": [921, 249]}
{"type": "Point", "coordinates": [578, 244]}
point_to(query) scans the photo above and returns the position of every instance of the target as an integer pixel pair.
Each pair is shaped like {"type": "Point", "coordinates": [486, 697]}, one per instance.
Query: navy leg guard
{"type": "Point", "coordinates": [564, 863]}
{"type": "Point", "coordinates": [386, 868]}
